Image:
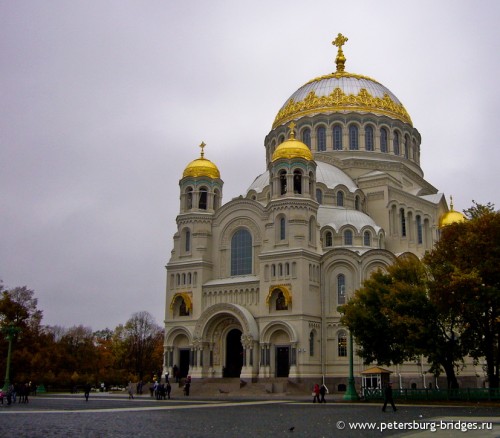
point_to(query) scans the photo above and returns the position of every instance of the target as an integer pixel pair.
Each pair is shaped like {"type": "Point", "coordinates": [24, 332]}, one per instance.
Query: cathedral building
{"type": "Point", "coordinates": [254, 284]}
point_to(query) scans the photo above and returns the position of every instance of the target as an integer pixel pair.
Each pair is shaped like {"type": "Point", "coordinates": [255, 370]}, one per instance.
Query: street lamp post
{"type": "Point", "coordinates": [10, 331]}
{"type": "Point", "coordinates": [351, 393]}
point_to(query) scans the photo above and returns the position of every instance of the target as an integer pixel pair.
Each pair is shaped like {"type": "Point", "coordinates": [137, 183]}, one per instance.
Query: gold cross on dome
{"type": "Point", "coordinates": [202, 145]}
{"type": "Point", "coordinates": [292, 126]}
{"type": "Point", "coordinates": [340, 41]}
{"type": "Point", "coordinates": [340, 59]}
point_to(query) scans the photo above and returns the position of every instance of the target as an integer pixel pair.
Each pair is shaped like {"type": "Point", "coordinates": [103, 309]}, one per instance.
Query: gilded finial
{"type": "Point", "coordinates": [292, 131]}
{"type": "Point", "coordinates": [340, 59]}
{"type": "Point", "coordinates": [451, 203]}
{"type": "Point", "coordinates": [202, 145]}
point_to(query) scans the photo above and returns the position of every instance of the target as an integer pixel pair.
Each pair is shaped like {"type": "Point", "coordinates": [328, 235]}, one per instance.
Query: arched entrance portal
{"type": "Point", "coordinates": [234, 354]}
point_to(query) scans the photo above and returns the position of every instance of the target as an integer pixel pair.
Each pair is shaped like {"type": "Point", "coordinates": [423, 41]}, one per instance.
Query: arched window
{"type": "Point", "coordinates": [312, 226]}
{"type": "Point", "coordinates": [367, 238]}
{"type": "Point", "coordinates": [189, 198]}
{"type": "Point", "coordinates": [306, 137]}
{"type": "Point", "coordinates": [187, 241]}
{"type": "Point", "coordinates": [348, 237]}
{"type": "Point", "coordinates": [403, 222]}
{"type": "Point", "coordinates": [287, 268]}
{"type": "Point", "coordinates": [420, 236]}
{"type": "Point", "coordinates": [281, 302]}
{"type": "Point", "coordinates": [356, 202]}
{"type": "Point", "coordinates": [340, 289]}
{"type": "Point", "coordinates": [414, 149]}
{"type": "Point", "coordinates": [216, 199]}
{"type": "Point", "coordinates": [369, 138]}
{"type": "Point", "coordinates": [353, 138]}
{"type": "Point", "coordinates": [282, 228]}
{"type": "Point", "coordinates": [395, 143]}
{"type": "Point", "coordinates": [328, 239]}
{"type": "Point", "coordinates": [297, 182]}
{"type": "Point", "coordinates": [280, 270]}
{"type": "Point", "coordinates": [311, 343]}
{"type": "Point", "coordinates": [342, 341]}
{"type": "Point", "coordinates": [282, 182]}
{"type": "Point", "coordinates": [321, 138]}
{"type": "Point", "coordinates": [319, 196]}
{"type": "Point", "coordinates": [281, 139]}
{"type": "Point", "coordinates": [202, 204]}
{"type": "Point", "coordinates": [340, 199]}
{"type": "Point", "coordinates": [407, 147]}
{"type": "Point", "coordinates": [337, 138]}
{"type": "Point", "coordinates": [383, 140]}
{"type": "Point", "coordinates": [241, 252]}
{"type": "Point", "coordinates": [183, 309]}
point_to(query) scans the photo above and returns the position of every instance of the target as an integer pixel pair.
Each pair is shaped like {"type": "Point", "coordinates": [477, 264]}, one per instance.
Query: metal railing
{"type": "Point", "coordinates": [462, 394]}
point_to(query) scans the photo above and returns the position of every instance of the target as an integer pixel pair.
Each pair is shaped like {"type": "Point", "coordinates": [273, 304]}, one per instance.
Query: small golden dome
{"type": "Point", "coordinates": [292, 148]}
{"type": "Point", "coordinates": [201, 167]}
{"type": "Point", "coordinates": [451, 217]}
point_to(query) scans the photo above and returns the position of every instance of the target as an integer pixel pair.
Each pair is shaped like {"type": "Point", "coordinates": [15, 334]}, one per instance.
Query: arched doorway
{"type": "Point", "coordinates": [282, 361]}
{"type": "Point", "coordinates": [234, 354]}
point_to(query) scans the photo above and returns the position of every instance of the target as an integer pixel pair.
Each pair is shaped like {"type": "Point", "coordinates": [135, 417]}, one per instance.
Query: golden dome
{"type": "Point", "coordinates": [341, 92]}
{"type": "Point", "coordinates": [201, 167]}
{"type": "Point", "coordinates": [292, 148]}
{"type": "Point", "coordinates": [451, 217]}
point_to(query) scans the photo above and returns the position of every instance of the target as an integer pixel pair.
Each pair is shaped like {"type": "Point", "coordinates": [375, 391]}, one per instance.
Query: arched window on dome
{"type": "Point", "coordinates": [321, 138]}
{"type": "Point", "coordinates": [348, 237]}
{"type": "Point", "coordinates": [414, 150]}
{"type": "Point", "coordinates": [306, 137]}
{"type": "Point", "coordinates": [189, 198]}
{"type": "Point", "coordinates": [367, 238]}
{"type": "Point", "coordinates": [342, 343]}
{"type": "Point", "coordinates": [337, 137]}
{"type": "Point", "coordinates": [281, 139]}
{"type": "Point", "coordinates": [420, 235]}
{"type": "Point", "coordinates": [383, 140]}
{"type": "Point", "coordinates": [340, 289]}
{"type": "Point", "coordinates": [395, 143]}
{"type": "Point", "coordinates": [407, 147]}
{"type": "Point", "coordinates": [282, 175]}
{"type": "Point", "coordinates": [328, 239]}
{"type": "Point", "coordinates": [311, 183]}
{"type": "Point", "coordinates": [202, 203]}
{"type": "Point", "coordinates": [369, 138]}
{"type": "Point", "coordinates": [297, 182]}
{"type": "Point", "coordinates": [241, 252]}
{"type": "Point", "coordinates": [353, 138]}
{"type": "Point", "coordinates": [319, 196]}
{"type": "Point", "coordinates": [340, 199]}
{"type": "Point", "coordinates": [402, 218]}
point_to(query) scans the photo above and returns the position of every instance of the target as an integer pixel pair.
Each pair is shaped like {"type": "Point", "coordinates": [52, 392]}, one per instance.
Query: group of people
{"type": "Point", "coordinates": [18, 392]}
{"type": "Point", "coordinates": [319, 393]}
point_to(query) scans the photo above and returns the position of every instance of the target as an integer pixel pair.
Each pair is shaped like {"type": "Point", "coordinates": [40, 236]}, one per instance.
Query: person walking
{"type": "Point", "coordinates": [316, 393]}
{"type": "Point", "coordinates": [322, 392]}
{"type": "Point", "coordinates": [86, 391]}
{"type": "Point", "coordinates": [388, 397]}
{"type": "Point", "coordinates": [130, 389]}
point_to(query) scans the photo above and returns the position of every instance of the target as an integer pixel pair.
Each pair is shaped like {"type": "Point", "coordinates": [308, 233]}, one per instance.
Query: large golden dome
{"type": "Point", "coordinates": [451, 217]}
{"type": "Point", "coordinates": [201, 167]}
{"type": "Point", "coordinates": [292, 148]}
{"type": "Point", "coordinates": [341, 92]}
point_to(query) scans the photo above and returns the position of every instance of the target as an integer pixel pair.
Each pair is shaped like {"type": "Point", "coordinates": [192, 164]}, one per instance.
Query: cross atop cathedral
{"type": "Point", "coordinates": [340, 59]}
{"type": "Point", "coordinates": [202, 145]}
{"type": "Point", "coordinates": [292, 126]}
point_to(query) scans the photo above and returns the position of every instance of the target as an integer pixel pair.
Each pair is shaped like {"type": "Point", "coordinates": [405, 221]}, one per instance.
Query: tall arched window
{"type": "Point", "coordinates": [187, 241]}
{"type": "Point", "coordinates": [306, 137]}
{"type": "Point", "coordinates": [383, 140]}
{"type": "Point", "coordinates": [282, 182]}
{"type": "Point", "coordinates": [356, 203]}
{"type": "Point", "coordinates": [328, 239]}
{"type": "Point", "coordinates": [407, 147]}
{"type": "Point", "coordinates": [281, 139]}
{"type": "Point", "coordinates": [337, 138]}
{"type": "Point", "coordinates": [311, 343]}
{"type": "Point", "coordinates": [321, 138]}
{"type": "Point", "coordinates": [340, 289]}
{"type": "Point", "coordinates": [348, 237]}
{"type": "Point", "coordinates": [342, 341]}
{"type": "Point", "coordinates": [353, 138]}
{"type": "Point", "coordinates": [319, 196]}
{"type": "Point", "coordinates": [395, 143]}
{"type": "Point", "coordinates": [403, 221]}
{"type": "Point", "coordinates": [241, 252]}
{"type": "Point", "coordinates": [297, 182]}
{"type": "Point", "coordinates": [216, 199]}
{"type": "Point", "coordinates": [367, 238]}
{"type": "Point", "coordinates": [189, 198]}
{"type": "Point", "coordinates": [420, 236]}
{"type": "Point", "coordinates": [282, 228]}
{"type": "Point", "coordinates": [369, 138]}
{"type": "Point", "coordinates": [340, 199]}
{"type": "Point", "coordinates": [202, 204]}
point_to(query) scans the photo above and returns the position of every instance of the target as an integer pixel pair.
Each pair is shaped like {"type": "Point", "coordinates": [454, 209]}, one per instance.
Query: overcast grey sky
{"type": "Point", "coordinates": [104, 103]}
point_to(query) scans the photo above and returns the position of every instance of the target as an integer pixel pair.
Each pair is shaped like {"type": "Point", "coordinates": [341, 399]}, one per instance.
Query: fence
{"type": "Point", "coordinates": [462, 394]}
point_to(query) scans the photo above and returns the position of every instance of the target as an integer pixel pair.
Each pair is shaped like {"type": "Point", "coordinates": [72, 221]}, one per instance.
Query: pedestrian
{"type": "Point", "coordinates": [175, 370]}
{"type": "Point", "coordinates": [316, 393]}
{"type": "Point", "coordinates": [86, 391]}
{"type": "Point", "coordinates": [187, 386]}
{"type": "Point", "coordinates": [322, 391]}
{"type": "Point", "coordinates": [169, 389]}
{"type": "Point", "coordinates": [130, 389]}
{"type": "Point", "coordinates": [388, 397]}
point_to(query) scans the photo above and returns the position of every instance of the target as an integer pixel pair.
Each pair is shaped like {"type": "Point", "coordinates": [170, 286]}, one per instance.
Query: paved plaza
{"type": "Point", "coordinates": [114, 415]}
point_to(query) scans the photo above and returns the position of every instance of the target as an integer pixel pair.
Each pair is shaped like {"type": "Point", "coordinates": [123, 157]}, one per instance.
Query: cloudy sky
{"type": "Point", "coordinates": [103, 103]}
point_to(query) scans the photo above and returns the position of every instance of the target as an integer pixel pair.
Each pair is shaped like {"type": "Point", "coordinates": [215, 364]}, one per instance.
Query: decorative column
{"type": "Point", "coordinates": [351, 393]}
{"type": "Point", "coordinates": [10, 332]}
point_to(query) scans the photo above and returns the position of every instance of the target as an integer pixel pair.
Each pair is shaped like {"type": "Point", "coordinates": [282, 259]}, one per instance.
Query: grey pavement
{"type": "Point", "coordinates": [114, 415]}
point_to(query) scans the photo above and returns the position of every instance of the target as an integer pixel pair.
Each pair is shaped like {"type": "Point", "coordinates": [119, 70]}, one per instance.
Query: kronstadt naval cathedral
{"type": "Point", "coordinates": [254, 284]}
